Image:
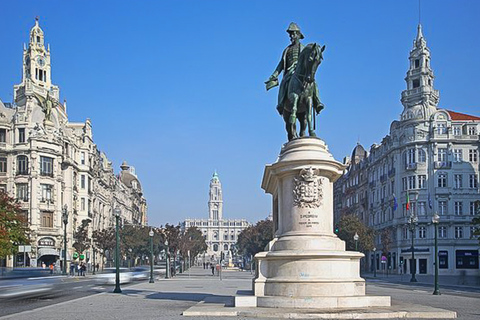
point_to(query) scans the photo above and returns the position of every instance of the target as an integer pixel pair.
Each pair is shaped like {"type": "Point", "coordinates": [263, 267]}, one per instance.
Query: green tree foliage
{"type": "Point", "coordinates": [386, 239]}
{"type": "Point", "coordinates": [348, 225]}
{"type": "Point", "coordinates": [135, 242]}
{"type": "Point", "coordinates": [254, 238]}
{"type": "Point", "coordinates": [13, 226]}
{"type": "Point", "coordinates": [172, 234]}
{"type": "Point", "coordinates": [104, 240]}
{"type": "Point", "coordinates": [192, 239]}
{"type": "Point", "coordinates": [81, 238]}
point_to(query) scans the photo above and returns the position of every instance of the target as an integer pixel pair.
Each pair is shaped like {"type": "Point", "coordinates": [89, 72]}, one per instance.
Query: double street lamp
{"type": "Point", "coordinates": [151, 255]}
{"type": "Point", "coordinates": [117, 252]}
{"type": "Point", "coordinates": [65, 222]}
{"type": "Point", "coordinates": [356, 237]}
{"type": "Point", "coordinates": [375, 262]}
{"type": "Point", "coordinates": [435, 221]}
{"type": "Point", "coordinates": [167, 262]}
{"type": "Point", "coordinates": [412, 221]}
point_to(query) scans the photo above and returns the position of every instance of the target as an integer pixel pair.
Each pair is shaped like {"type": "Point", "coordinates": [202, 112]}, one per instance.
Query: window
{"type": "Point", "coordinates": [22, 192]}
{"type": "Point", "coordinates": [422, 157]}
{"type": "Point", "coordinates": [46, 192]}
{"type": "Point", "coordinates": [3, 135]}
{"type": "Point", "coordinates": [82, 204]}
{"type": "Point", "coordinates": [457, 131]}
{"type": "Point", "coordinates": [82, 157]}
{"type": "Point", "coordinates": [472, 131]}
{"type": "Point", "coordinates": [443, 259]}
{"type": "Point", "coordinates": [417, 63]}
{"type": "Point", "coordinates": [422, 179]}
{"type": "Point", "coordinates": [441, 128]}
{"type": "Point", "coordinates": [457, 155]}
{"type": "Point", "coordinates": [82, 181]}
{"type": "Point", "coordinates": [411, 182]}
{"type": "Point", "coordinates": [458, 208]}
{"type": "Point", "coordinates": [422, 232]}
{"type": "Point", "coordinates": [215, 236]}
{"type": "Point", "coordinates": [405, 233]}
{"type": "Point", "coordinates": [473, 208]}
{"type": "Point", "coordinates": [472, 155]}
{"type": "Point", "coordinates": [416, 83]}
{"type": "Point", "coordinates": [46, 166]}
{"type": "Point", "coordinates": [442, 207]}
{"type": "Point", "coordinates": [404, 183]}
{"type": "Point", "coordinates": [225, 236]}
{"type": "Point", "coordinates": [232, 236]}
{"type": "Point", "coordinates": [442, 180]}
{"type": "Point", "coordinates": [3, 164]}
{"type": "Point", "coordinates": [411, 156]}
{"type": "Point", "coordinates": [21, 135]}
{"type": "Point", "coordinates": [457, 181]}
{"type": "Point", "coordinates": [458, 232]}
{"type": "Point", "coordinates": [215, 247]}
{"type": "Point", "coordinates": [442, 154]}
{"type": "Point", "coordinates": [46, 219]}
{"type": "Point", "coordinates": [473, 181]}
{"type": "Point", "coordinates": [422, 208]}
{"type": "Point", "coordinates": [442, 232]}
{"type": "Point", "coordinates": [466, 259]}
{"type": "Point", "coordinates": [22, 165]}
{"type": "Point", "coordinates": [225, 247]}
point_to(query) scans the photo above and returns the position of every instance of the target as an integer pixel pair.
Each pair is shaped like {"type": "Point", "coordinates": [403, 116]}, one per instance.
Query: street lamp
{"type": "Point", "coordinates": [167, 263]}
{"type": "Point", "coordinates": [412, 221]}
{"type": "Point", "coordinates": [356, 237]}
{"type": "Point", "coordinates": [151, 255]}
{"type": "Point", "coordinates": [117, 252]}
{"type": "Point", "coordinates": [65, 221]}
{"type": "Point", "coordinates": [435, 221]}
{"type": "Point", "coordinates": [375, 262]}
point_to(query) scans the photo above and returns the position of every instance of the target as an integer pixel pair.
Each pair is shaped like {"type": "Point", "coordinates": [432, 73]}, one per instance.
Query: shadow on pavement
{"type": "Point", "coordinates": [189, 296]}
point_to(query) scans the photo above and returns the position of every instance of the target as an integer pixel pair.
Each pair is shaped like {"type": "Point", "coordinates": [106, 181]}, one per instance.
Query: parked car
{"type": "Point", "coordinates": [108, 276]}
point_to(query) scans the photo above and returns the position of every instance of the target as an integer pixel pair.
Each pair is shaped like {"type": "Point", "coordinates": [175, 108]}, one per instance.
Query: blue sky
{"type": "Point", "coordinates": [176, 89]}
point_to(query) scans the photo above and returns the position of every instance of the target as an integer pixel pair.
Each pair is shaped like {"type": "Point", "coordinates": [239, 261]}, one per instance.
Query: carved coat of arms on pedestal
{"type": "Point", "coordinates": [307, 190]}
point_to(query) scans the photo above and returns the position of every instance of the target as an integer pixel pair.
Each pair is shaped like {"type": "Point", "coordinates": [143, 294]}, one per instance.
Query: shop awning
{"type": "Point", "coordinates": [47, 252]}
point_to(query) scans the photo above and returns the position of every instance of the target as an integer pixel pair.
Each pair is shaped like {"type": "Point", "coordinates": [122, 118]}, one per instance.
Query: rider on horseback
{"type": "Point", "coordinates": [288, 64]}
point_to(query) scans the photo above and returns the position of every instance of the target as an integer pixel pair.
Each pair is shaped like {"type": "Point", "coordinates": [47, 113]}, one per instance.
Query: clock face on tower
{"type": "Point", "coordinates": [41, 61]}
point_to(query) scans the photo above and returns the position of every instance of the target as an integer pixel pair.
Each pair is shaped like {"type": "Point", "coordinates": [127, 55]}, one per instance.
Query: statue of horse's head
{"type": "Point", "coordinates": [313, 59]}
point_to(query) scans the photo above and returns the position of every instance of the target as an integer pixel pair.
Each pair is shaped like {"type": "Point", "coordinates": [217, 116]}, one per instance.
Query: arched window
{"type": "Point", "coordinates": [225, 247]}
{"type": "Point", "coordinates": [215, 247]}
{"type": "Point", "coordinates": [215, 237]}
{"type": "Point", "coordinates": [22, 165]}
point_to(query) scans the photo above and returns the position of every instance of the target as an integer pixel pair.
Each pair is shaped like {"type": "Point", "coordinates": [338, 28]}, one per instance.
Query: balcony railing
{"type": "Point", "coordinates": [443, 164]}
{"type": "Point", "coordinates": [22, 173]}
{"type": "Point", "coordinates": [411, 166]}
{"type": "Point", "coordinates": [46, 174]}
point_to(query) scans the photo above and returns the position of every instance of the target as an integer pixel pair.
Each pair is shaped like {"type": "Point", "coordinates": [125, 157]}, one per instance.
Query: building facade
{"type": "Point", "coordinates": [220, 234]}
{"type": "Point", "coordinates": [48, 163]}
{"type": "Point", "coordinates": [430, 160]}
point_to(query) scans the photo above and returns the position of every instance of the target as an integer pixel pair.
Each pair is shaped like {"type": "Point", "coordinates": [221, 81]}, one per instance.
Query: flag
{"type": "Point", "coordinates": [408, 202]}
{"type": "Point", "coordinates": [430, 201]}
{"type": "Point", "coordinates": [395, 203]}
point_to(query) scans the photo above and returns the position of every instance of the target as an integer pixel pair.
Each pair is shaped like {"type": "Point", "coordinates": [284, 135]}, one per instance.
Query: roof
{"type": "Point", "coordinates": [462, 116]}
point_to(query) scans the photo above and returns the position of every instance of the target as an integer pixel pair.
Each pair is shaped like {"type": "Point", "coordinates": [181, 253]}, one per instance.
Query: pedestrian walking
{"type": "Point", "coordinates": [72, 269]}
{"type": "Point", "coordinates": [51, 268]}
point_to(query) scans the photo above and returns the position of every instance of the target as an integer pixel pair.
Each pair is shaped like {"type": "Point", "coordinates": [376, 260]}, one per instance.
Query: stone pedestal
{"type": "Point", "coordinates": [306, 265]}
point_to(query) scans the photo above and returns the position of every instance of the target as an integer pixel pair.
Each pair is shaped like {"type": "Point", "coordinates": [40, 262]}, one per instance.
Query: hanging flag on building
{"type": "Point", "coordinates": [408, 202]}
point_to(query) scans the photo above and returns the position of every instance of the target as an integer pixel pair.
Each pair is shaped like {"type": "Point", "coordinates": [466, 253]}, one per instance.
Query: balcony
{"type": "Point", "coordinates": [22, 173]}
{"type": "Point", "coordinates": [411, 166]}
{"type": "Point", "coordinates": [443, 164]}
{"type": "Point", "coordinates": [46, 174]}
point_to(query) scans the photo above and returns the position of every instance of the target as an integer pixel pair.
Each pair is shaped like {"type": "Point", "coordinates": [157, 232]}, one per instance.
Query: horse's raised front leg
{"type": "Point", "coordinates": [309, 115]}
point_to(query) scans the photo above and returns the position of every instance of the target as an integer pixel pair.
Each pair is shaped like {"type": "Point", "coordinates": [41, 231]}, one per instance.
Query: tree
{"type": "Point", "coordinates": [192, 240]}
{"type": "Point", "coordinates": [351, 224]}
{"type": "Point", "coordinates": [386, 239]}
{"type": "Point", "coordinates": [104, 240]}
{"type": "Point", "coordinates": [254, 238]}
{"type": "Point", "coordinates": [13, 226]}
{"type": "Point", "coordinates": [81, 238]}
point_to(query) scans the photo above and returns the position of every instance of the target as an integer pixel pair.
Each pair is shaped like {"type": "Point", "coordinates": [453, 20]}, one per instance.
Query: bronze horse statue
{"type": "Point", "coordinates": [302, 94]}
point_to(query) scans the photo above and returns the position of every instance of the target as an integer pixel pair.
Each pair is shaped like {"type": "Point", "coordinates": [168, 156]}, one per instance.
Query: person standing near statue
{"type": "Point", "coordinates": [287, 64]}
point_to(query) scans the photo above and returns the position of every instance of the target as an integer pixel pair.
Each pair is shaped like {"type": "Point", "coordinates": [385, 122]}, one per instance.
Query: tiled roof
{"type": "Point", "coordinates": [461, 116]}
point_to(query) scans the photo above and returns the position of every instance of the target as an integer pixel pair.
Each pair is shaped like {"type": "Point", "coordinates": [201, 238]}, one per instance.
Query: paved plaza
{"type": "Point", "coordinates": [170, 298]}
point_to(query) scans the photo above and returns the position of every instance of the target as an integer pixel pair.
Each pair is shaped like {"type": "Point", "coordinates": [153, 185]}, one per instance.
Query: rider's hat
{"type": "Point", "coordinates": [294, 27]}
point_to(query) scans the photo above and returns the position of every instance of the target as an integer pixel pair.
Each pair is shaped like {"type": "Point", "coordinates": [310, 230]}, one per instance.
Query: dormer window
{"type": "Point", "coordinates": [417, 63]}
{"type": "Point", "coordinates": [416, 83]}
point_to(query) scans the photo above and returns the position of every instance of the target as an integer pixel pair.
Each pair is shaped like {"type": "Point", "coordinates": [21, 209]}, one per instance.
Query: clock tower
{"type": "Point", "coordinates": [215, 202]}
{"type": "Point", "coordinates": [36, 75]}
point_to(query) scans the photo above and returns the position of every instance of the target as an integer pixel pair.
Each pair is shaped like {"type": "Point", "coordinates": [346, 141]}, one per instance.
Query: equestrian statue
{"type": "Point", "coordinates": [298, 96]}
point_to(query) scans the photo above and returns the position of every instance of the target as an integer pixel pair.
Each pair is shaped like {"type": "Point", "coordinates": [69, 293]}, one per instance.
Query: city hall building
{"type": "Point", "coordinates": [431, 154]}
{"type": "Point", "coordinates": [48, 162]}
{"type": "Point", "coordinates": [220, 234]}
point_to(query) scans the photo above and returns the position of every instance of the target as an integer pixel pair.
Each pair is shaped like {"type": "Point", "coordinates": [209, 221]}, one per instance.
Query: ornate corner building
{"type": "Point", "coordinates": [47, 162]}
{"type": "Point", "coordinates": [220, 234]}
{"type": "Point", "coordinates": [431, 158]}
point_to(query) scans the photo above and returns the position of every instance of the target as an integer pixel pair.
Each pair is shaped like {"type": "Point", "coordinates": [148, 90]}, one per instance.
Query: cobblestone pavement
{"type": "Point", "coordinates": [168, 298]}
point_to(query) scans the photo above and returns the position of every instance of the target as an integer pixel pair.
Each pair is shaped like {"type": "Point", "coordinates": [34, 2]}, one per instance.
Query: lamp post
{"type": "Point", "coordinates": [117, 252]}
{"type": "Point", "coordinates": [65, 221]}
{"type": "Point", "coordinates": [412, 221]}
{"type": "Point", "coordinates": [167, 262]}
{"type": "Point", "coordinates": [356, 237]}
{"type": "Point", "coordinates": [375, 262]}
{"type": "Point", "coordinates": [151, 255]}
{"type": "Point", "coordinates": [94, 265]}
{"type": "Point", "coordinates": [435, 221]}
